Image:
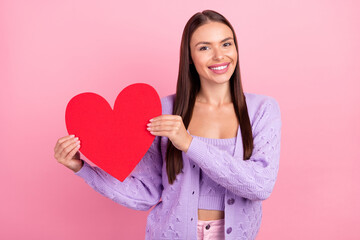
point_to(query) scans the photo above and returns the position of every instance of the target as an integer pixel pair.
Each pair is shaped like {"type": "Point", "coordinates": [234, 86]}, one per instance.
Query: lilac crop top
{"type": "Point", "coordinates": [211, 196]}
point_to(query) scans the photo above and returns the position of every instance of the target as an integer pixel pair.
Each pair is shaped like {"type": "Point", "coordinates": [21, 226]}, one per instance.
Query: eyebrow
{"type": "Point", "coordinates": [209, 42]}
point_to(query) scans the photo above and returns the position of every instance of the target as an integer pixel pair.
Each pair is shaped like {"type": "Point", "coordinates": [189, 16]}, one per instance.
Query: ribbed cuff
{"type": "Point", "coordinates": [196, 150]}
{"type": "Point", "coordinates": [85, 171]}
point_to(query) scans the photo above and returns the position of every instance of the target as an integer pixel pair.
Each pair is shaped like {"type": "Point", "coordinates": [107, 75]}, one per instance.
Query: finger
{"type": "Point", "coordinates": [163, 128]}
{"type": "Point", "coordinates": [164, 133]}
{"type": "Point", "coordinates": [164, 123]}
{"type": "Point", "coordinates": [67, 150]}
{"type": "Point", "coordinates": [61, 140]}
{"type": "Point", "coordinates": [72, 152]}
{"type": "Point", "coordinates": [66, 143]}
{"type": "Point", "coordinates": [67, 146]}
{"type": "Point", "coordinates": [166, 117]}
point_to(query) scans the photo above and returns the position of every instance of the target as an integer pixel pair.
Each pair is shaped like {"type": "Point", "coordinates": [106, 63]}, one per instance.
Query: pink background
{"type": "Point", "coordinates": [304, 53]}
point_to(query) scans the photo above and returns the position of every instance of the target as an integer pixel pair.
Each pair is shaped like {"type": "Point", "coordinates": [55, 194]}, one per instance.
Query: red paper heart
{"type": "Point", "coordinates": [115, 140]}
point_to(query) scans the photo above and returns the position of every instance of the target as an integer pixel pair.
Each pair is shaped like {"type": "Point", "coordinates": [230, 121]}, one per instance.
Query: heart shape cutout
{"type": "Point", "coordinates": [114, 139]}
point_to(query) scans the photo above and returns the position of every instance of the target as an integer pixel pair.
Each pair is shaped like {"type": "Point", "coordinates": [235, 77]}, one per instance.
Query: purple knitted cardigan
{"type": "Point", "coordinates": [247, 183]}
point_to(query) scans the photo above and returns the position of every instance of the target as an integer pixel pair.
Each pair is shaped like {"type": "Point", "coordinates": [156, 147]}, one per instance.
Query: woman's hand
{"type": "Point", "coordinates": [172, 127]}
{"type": "Point", "coordinates": [66, 152]}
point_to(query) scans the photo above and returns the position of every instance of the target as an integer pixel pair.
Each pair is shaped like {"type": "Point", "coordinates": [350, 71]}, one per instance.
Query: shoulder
{"type": "Point", "coordinates": [259, 105]}
{"type": "Point", "coordinates": [167, 103]}
{"type": "Point", "coordinates": [254, 101]}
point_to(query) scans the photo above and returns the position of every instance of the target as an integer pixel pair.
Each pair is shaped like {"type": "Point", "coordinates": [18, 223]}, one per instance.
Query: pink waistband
{"type": "Point", "coordinates": [212, 222]}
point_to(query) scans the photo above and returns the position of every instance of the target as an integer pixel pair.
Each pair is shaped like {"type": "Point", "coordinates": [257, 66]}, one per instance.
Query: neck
{"type": "Point", "coordinates": [216, 94]}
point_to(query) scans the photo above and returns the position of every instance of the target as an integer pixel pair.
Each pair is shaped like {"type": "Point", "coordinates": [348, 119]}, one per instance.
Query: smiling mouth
{"type": "Point", "coordinates": [219, 68]}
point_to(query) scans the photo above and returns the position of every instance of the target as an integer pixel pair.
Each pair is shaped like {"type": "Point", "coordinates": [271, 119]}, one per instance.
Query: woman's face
{"type": "Point", "coordinates": [213, 52]}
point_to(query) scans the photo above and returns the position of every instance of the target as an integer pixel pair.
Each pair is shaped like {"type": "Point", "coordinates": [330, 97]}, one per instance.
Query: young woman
{"type": "Point", "coordinates": [216, 153]}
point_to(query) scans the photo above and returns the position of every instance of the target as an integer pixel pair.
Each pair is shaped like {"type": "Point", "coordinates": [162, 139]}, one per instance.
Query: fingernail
{"type": "Point", "coordinates": [151, 120]}
{"type": "Point", "coordinates": [148, 128]}
{"type": "Point", "coordinates": [149, 124]}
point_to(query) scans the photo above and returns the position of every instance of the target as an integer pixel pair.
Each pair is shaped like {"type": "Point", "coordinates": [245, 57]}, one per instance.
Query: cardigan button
{"type": "Point", "coordinates": [193, 165]}
{"type": "Point", "coordinates": [228, 230]}
{"type": "Point", "coordinates": [231, 201]}
{"type": "Point", "coordinates": [193, 192]}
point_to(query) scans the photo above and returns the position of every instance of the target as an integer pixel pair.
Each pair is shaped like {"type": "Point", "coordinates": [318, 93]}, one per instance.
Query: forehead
{"type": "Point", "coordinates": [211, 32]}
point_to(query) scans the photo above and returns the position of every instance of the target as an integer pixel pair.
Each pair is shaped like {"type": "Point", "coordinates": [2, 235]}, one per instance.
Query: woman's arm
{"type": "Point", "coordinates": [254, 178]}
{"type": "Point", "coordinates": [140, 190]}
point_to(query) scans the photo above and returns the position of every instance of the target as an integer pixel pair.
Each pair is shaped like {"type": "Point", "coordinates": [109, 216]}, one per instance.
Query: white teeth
{"type": "Point", "coordinates": [220, 68]}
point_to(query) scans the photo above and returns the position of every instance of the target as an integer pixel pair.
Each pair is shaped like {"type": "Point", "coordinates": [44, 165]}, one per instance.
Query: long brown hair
{"type": "Point", "coordinates": [188, 85]}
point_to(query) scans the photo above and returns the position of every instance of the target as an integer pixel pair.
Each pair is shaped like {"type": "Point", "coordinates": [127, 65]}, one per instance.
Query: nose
{"type": "Point", "coordinates": [218, 54]}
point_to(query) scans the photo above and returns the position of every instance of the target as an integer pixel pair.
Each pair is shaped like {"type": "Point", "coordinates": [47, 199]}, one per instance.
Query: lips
{"type": "Point", "coordinates": [220, 69]}
{"type": "Point", "coordinates": [219, 65]}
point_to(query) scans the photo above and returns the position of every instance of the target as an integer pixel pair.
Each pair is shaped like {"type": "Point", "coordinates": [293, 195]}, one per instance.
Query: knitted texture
{"type": "Point", "coordinates": [212, 194]}
{"type": "Point", "coordinates": [246, 183]}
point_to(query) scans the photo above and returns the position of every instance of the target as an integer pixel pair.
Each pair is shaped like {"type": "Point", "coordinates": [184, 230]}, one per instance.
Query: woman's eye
{"type": "Point", "coordinates": [202, 48]}
{"type": "Point", "coordinates": [228, 44]}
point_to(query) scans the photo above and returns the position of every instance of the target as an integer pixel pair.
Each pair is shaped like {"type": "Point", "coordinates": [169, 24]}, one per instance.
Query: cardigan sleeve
{"type": "Point", "coordinates": [253, 178]}
{"type": "Point", "coordinates": [141, 190]}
